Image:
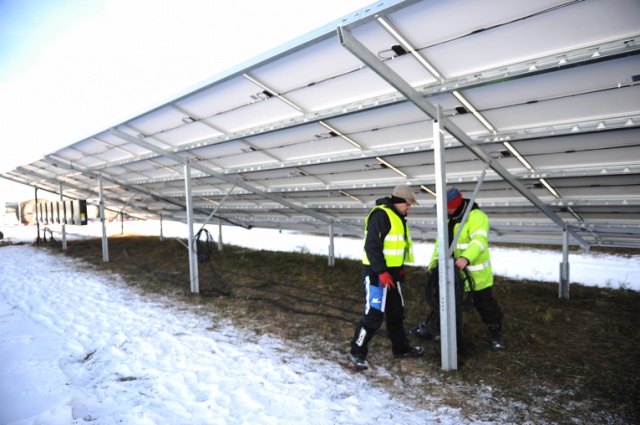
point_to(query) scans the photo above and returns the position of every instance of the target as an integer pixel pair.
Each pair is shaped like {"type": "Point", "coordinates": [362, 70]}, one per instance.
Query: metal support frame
{"type": "Point", "coordinates": [230, 179]}
{"type": "Point", "coordinates": [215, 210]}
{"type": "Point", "coordinates": [391, 77]}
{"type": "Point", "coordinates": [442, 123]}
{"type": "Point", "coordinates": [192, 246]}
{"type": "Point", "coordinates": [448, 341]}
{"type": "Point", "coordinates": [62, 221]}
{"type": "Point", "coordinates": [38, 240]}
{"type": "Point", "coordinates": [105, 241]}
{"type": "Point", "coordinates": [332, 258]}
{"type": "Point", "coordinates": [74, 167]}
{"type": "Point", "coordinates": [563, 289]}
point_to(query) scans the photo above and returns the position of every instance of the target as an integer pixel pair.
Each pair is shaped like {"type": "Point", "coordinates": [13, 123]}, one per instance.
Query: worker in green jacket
{"type": "Point", "coordinates": [472, 253]}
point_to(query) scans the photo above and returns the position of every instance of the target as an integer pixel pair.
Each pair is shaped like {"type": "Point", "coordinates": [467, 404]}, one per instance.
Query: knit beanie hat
{"type": "Point", "coordinates": [454, 199]}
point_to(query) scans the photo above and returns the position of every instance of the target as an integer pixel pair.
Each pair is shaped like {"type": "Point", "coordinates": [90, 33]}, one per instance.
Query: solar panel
{"type": "Point", "coordinates": [310, 134]}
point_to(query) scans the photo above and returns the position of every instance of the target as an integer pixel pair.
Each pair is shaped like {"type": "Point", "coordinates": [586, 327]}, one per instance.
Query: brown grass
{"type": "Point", "coordinates": [567, 361]}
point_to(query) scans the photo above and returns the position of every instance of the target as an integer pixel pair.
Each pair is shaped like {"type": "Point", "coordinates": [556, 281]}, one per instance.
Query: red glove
{"type": "Point", "coordinates": [386, 280]}
{"type": "Point", "coordinates": [403, 275]}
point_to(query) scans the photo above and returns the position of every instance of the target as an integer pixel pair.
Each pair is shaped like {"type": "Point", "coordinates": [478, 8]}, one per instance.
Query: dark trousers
{"type": "Point", "coordinates": [372, 320]}
{"type": "Point", "coordinates": [487, 307]}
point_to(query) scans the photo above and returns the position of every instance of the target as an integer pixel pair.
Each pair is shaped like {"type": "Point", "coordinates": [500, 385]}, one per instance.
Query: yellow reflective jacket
{"type": "Point", "coordinates": [397, 246]}
{"type": "Point", "coordinates": [473, 244]}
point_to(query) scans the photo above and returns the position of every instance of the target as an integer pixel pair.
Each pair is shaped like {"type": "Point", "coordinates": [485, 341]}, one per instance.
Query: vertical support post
{"type": "Point", "coordinates": [62, 221]}
{"type": "Point", "coordinates": [448, 336]}
{"type": "Point", "coordinates": [332, 258]}
{"type": "Point", "coordinates": [37, 218]}
{"type": "Point", "coordinates": [193, 247]}
{"type": "Point", "coordinates": [563, 292]}
{"type": "Point", "coordinates": [105, 242]}
{"type": "Point", "coordinates": [219, 235]}
{"type": "Point", "coordinates": [161, 229]}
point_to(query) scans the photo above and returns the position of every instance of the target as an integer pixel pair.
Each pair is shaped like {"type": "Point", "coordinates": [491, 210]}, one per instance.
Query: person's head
{"type": "Point", "coordinates": [403, 198]}
{"type": "Point", "coordinates": [454, 200]}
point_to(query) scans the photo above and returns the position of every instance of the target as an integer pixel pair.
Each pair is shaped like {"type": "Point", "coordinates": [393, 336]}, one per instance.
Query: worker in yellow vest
{"type": "Point", "coordinates": [387, 246]}
{"type": "Point", "coordinates": [471, 253]}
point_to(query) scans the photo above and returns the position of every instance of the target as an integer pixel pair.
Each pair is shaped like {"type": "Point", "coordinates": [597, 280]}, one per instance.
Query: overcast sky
{"type": "Point", "coordinates": [72, 68]}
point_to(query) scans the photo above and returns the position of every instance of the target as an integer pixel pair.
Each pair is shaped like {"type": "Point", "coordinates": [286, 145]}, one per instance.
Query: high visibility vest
{"type": "Point", "coordinates": [397, 245]}
{"type": "Point", "coordinates": [473, 244]}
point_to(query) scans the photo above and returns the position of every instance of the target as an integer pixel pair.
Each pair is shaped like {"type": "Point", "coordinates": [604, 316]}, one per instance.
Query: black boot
{"type": "Point", "coordinates": [359, 363]}
{"type": "Point", "coordinates": [495, 337]}
{"type": "Point", "coordinates": [359, 347]}
{"type": "Point", "coordinates": [412, 352]}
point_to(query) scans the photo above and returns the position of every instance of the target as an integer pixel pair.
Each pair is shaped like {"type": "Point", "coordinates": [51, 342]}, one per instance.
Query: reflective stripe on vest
{"type": "Point", "coordinates": [474, 246]}
{"type": "Point", "coordinates": [397, 248]}
{"type": "Point", "coordinates": [479, 232]}
{"type": "Point", "coordinates": [463, 246]}
{"type": "Point", "coordinates": [479, 266]}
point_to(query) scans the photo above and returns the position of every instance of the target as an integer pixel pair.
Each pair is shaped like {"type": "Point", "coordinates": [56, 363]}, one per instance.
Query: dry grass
{"type": "Point", "coordinates": [571, 361]}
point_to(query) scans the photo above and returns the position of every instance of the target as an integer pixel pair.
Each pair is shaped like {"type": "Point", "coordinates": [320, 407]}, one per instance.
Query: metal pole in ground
{"type": "Point", "coordinates": [448, 341]}
{"type": "Point", "coordinates": [564, 266]}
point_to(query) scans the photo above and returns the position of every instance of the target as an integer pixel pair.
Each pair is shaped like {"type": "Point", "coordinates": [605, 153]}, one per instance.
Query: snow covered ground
{"type": "Point", "coordinates": [80, 347]}
{"type": "Point", "coordinates": [77, 347]}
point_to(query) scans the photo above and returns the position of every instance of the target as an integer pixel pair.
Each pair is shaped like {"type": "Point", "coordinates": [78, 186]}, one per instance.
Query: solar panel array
{"type": "Point", "coordinates": [543, 95]}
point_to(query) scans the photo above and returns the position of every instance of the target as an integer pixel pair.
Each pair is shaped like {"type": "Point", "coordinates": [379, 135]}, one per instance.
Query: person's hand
{"type": "Point", "coordinates": [403, 275]}
{"type": "Point", "coordinates": [386, 280]}
{"type": "Point", "coordinates": [461, 263]}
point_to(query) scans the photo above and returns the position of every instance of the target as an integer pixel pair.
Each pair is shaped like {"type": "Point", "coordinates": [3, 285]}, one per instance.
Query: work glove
{"type": "Point", "coordinates": [403, 275]}
{"type": "Point", "coordinates": [386, 280]}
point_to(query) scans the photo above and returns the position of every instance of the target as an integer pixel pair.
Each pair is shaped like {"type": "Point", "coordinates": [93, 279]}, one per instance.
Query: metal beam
{"type": "Point", "coordinates": [446, 280]}
{"type": "Point", "coordinates": [62, 222]}
{"type": "Point", "coordinates": [132, 188]}
{"type": "Point", "coordinates": [391, 77]}
{"type": "Point", "coordinates": [563, 289]}
{"type": "Point", "coordinates": [229, 179]}
{"type": "Point", "coordinates": [192, 245]}
{"type": "Point", "coordinates": [103, 224]}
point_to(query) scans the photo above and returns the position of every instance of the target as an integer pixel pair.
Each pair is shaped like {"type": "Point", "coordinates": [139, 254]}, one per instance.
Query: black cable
{"type": "Point", "coordinates": [430, 328]}
{"type": "Point", "coordinates": [52, 240]}
{"type": "Point", "coordinates": [205, 247]}
{"type": "Point", "coordinates": [218, 280]}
